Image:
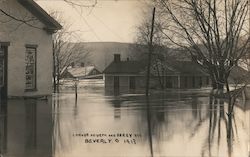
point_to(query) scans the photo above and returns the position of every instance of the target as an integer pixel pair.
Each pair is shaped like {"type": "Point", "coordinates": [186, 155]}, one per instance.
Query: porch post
{"type": "Point", "coordinates": [179, 81]}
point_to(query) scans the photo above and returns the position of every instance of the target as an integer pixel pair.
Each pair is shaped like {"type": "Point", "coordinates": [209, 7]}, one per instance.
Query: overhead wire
{"type": "Point", "coordinates": [108, 28]}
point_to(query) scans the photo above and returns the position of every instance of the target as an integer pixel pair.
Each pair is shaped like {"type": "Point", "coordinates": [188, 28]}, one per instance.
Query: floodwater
{"type": "Point", "coordinates": [170, 124]}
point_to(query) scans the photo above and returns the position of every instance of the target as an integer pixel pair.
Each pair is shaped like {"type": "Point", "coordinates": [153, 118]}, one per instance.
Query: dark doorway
{"type": "Point", "coordinates": [193, 82]}
{"type": "Point", "coordinates": [132, 82]}
{"type": "Point", "coordinates": [169, 82]}
{"type": "Point", "coordinates": [3, 73]}
{"type": "Point", "coordinates": [116, 84]}
{"type": "Point", "coordinates": [200, 81]}
{"type": "Point", "coordinates": [185, 82]}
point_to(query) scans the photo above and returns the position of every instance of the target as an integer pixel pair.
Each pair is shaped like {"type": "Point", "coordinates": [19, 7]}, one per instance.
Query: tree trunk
{"type": "Point", "coordinates": [58, 79]}
{"type": "Point", "coordinates": [54, 82]}
{"type": "Point", "coordinates": [214, 84]}
{"type": "Point", "coordinates": [54, 75]}
{"type": "Point", "coordinates": [54, 68]}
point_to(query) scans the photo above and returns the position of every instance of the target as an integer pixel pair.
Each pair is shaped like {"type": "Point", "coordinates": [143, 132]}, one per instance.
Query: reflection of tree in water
{"type": "Point", "coordinates": [65, 122]}
{"type": "Point", "coordinates": [157, 121]}
{"type": "Point", "coordinates": [216, 115]}
{"type": "Point", "coordinates": [58, 138]}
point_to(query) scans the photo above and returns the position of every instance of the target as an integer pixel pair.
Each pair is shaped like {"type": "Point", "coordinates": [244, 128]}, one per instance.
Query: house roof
{"type": "Point", "coordinates": [125, 67]}
{"type": "Point", "coordinates": [238, 75]}
{"type": "Point", "coordinates": [41, 14]}
{"type": "Point", "coordinates": [136, 67]}
{"type": "Point", "coordinates": [187, 67]}
{"type": "Point", "coordinates": [81, 71]}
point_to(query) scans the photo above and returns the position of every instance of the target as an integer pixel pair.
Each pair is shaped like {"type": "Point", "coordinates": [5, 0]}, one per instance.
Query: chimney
{"type": "Point", "coordinates": [117, 58]}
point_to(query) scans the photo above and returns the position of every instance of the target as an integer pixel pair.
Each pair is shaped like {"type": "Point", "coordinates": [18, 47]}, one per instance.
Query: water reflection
{"type": "Point", "coordinates": [26, 127]}
{"type": "Point", "coordinates": [149, 126]}
{"type": "Point", "coordinates": [117, 108]}
{"type": "Point", "coordinates": [171, 124]}
{"type": "Point", "coordinates": [3, 128]}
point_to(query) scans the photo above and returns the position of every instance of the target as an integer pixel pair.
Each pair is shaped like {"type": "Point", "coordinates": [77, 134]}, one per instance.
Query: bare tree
{"type": "Point", "coordinates": [160, 46]}
{"type": "Point", "coordinates": [212, 31]}
{"type": "Point", "coordinates": [65, 52]}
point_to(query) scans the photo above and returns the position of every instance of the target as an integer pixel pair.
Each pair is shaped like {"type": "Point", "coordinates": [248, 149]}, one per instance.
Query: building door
{"type": "Point", "coordinates": [3, 73]}
{"type": "Point", "coordinates": [193, 82]}
{"type": "Point", "coordinates": [116, 84]}
{"type": "Point", "coordinates": [132, 82]}
{"type": "Point", "coordinates": [169, 82]}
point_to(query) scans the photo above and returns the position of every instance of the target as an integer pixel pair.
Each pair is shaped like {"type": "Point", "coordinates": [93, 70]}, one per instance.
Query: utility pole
{"type": "Point", "coordinates": [248, 55]}
{"type": "Point", "coordinates": [150, 53]}
{"type": "Point", "coordinates": [150, 50]}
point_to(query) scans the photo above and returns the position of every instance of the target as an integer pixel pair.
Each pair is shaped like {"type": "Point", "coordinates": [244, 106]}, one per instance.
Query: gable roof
{"type": "Point", "coordinates": [81, 71]}
{"type": "Point", "coordinates": [41, 14]}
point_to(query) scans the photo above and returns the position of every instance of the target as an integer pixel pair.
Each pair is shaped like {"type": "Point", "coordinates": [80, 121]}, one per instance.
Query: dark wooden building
{"type": "Point", "coordinates": [128, 76]}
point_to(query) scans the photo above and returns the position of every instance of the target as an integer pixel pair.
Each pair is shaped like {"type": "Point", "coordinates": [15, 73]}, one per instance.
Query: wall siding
{"type": "Point", "coordinates": [18, 38]}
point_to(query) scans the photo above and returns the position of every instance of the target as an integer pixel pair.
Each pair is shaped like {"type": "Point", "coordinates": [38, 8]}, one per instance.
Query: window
{"type": "Point", "coordinates": [30, 63]}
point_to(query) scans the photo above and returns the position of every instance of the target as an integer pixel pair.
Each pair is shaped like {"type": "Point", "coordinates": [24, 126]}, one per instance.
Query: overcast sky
{"type": "Point", "coordinates": [108, 21]}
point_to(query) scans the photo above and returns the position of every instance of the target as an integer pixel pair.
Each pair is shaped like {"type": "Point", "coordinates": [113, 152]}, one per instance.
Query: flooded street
{"type": "Point", "coordinates": [98, 125]}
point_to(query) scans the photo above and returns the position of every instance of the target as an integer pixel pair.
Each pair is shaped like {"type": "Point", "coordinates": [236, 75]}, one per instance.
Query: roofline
{"type": "Point", "coordinates": [51, 24]}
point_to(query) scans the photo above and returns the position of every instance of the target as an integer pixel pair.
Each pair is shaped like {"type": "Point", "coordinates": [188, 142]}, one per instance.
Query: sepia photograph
{"type": "Point", "coordinates": [124, 78]}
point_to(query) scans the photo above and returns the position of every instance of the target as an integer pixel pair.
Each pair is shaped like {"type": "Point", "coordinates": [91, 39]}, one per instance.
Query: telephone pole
{"type": "Point", "coordinates": [150, 53]}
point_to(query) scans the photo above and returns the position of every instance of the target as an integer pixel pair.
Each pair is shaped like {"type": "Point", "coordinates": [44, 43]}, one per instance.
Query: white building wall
{"type": "Point", "coordinates": [19, 35]}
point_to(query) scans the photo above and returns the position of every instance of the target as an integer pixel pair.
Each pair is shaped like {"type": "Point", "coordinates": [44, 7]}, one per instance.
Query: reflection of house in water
{"type": "Point", "coordinates": [128, 76]}
{"type": "Point", "coordinates": [117, 108]}
{"type": "Point", "coordinates": [3, 128]}
{"type": "Point", "coordinates": [83, 72]}
{"type": "Point", "coordinates": [26, 128]}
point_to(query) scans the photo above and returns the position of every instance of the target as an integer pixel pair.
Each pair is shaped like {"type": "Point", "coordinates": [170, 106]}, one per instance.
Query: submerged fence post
{"type": "Point", "coordinates": [76, 81]}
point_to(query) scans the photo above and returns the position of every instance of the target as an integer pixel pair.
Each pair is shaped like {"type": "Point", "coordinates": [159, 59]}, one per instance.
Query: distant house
{"type": "Point", "coordinates": [127, 76]}
{"type": "Point", "coordinates": [86, 72]}
{"type": "Point", "coordinates": [25, 49]}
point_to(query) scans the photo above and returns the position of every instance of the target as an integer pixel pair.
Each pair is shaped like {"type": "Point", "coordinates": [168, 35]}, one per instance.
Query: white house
{"type": "Point", "coordinates": [25, 49]}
